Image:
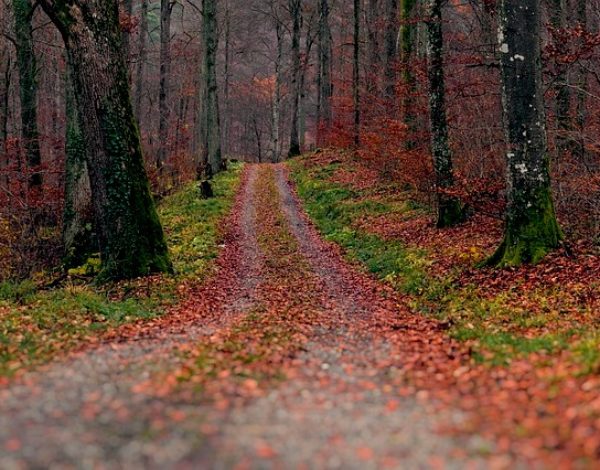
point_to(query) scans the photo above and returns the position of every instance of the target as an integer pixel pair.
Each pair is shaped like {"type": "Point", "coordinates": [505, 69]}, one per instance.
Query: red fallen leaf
{"type": "Point", "coordinates": [13, 445]}
{"type": "Point", "coordinates": [265, 451]}
{"type": "Point", "coordinates": [365, 453]}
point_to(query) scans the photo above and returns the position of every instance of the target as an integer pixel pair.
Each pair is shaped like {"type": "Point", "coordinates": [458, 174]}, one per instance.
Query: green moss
{"type": "Point", "coordinates": [531, 233]}
{"type": "Point", "coordinates": [37, 324]}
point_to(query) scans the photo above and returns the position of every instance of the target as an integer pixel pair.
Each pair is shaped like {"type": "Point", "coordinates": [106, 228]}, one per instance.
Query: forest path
{"type": "Point", "coordinates": [283, 303]}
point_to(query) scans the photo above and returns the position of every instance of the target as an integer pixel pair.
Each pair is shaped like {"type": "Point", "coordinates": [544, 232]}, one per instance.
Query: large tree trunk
{"type": "Point", "coordinates": [28, 87]}
{"type": "Point", "coordinates": [165, 76]}
{"type": "Point", "coordinates": [325, 88]}
{"type": "Point", "coordinates": [211, 127]}
{"type": "Point", "coordinates": [356, 74]}
{"type": "Point", "coordinates": [141, 62]}
{"type": "Point", "coordinates": [449, 207]}
{"type": "Point", "coordinates": [296, 13]}
{"type": "Point", "coordinates": [78, 239]}
{"type": "Point", "coordinates": [130, 236]}
{"type": "Point", "coordinates": [390, 50]}
{"type": "Point", "coordinates": [531, 229]}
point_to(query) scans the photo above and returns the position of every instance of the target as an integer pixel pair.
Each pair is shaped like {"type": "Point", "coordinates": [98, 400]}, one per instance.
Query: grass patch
{"type": "Point", "coordinates": [37, 324]}
{"type": "Point", "coordinates": [500, 327]}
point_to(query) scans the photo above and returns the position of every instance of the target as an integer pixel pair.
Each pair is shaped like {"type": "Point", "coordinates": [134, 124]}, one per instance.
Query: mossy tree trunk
{"type": "Point", "coordinates": [28, 87]}
{"type": "Point", "coordinates": [325, 85]}
{"type": "Point", "coordinates": [406, 46]}
{"type": "Point", "coordinates": [531, 229]}
{"type": "Point", "coordinates": [449, 207]}
{"type": "Point", "coordinates": [78, 236]}
{"type": "Point", "coordinates": [211, 162]}
{"type": "Point", "coordinates": [295, 7]}
{"type": "Point", "coordinates": [130, 236]}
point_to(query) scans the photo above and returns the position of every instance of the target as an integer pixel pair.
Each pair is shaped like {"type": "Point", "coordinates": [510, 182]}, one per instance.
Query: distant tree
{"type": "Point", "coordinates": [531, 229]}
{"type": "Point", "coordinates": [166, 7]}
{"type": "Point", "coordinates": [356, 73]}
{"type": "Point", "coordinates": [325, 90]}
{"type": "Point", "coordinates": [130, 236]}
{"type": "Point", "coordinates": [390, 49]}
{"type": "Point", "coordinates": [28, 86]}
{"type": "Point", "coordinates": [210, 129]}
{"type": "Point", "coordinates": [295, 7]}
{"type": "Point", "coordinates": [141, 61]}
{"type": "Point", "coordinates": [449, 207]}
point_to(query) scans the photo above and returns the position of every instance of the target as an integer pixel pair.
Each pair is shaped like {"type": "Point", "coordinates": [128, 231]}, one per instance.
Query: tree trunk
{"type": "Point", "coordinates": [531, 229]}
{"type": "Point", "coordinates": [226, 80]}
{"type": "Point", "coordinates": [558, 15]}
{"type": "Point", "coordinates": [449, 207]}
{"type": "Point", "coordinates": [390, 35]}
{"type": "Point", "coordinates": [276, 105]}
{"type": "Point", "coordinates": [582, 87]}
{"type": "Point", "coordinates": [356, 75]}
{"type": "Point", "coordinates": [28, 87]}
{"type": "Point", "coordinates": [5, 78]}
{"type": "Point", "coordinates": [165, 78]}
{"type": "Point", "coordinates": [128, 10]}
{"type": "Point", "coordinates": [296, 13]}
{"type": "Point", "coordinates": [130, 236]}
{"type": "Point", "coordinates": [325, 87]}
{"type": "Point", "coordinates": [78, 239]}
{"type": "Point", "coordinates": [211, 127]}
{"type": "Point", "coordinates": [141, 62]}
{"type": "Point", "coordinates": [406, 39]}
{"type": "Point", "coordinates": [373, 52]}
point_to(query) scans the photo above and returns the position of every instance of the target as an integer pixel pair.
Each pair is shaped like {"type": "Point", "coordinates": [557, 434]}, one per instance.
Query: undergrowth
{"type": "Point", "coordinates": [500, 327]}
{"type": "Point", "coordinates": [36, 323]}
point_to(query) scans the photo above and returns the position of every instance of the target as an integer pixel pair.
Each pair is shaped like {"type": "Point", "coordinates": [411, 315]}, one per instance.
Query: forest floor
{"type": "Point", "coordinates": [292, 354]}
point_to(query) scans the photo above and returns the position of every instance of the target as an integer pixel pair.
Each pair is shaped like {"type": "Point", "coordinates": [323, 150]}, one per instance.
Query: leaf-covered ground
{"type": "Point", "coordinates": [292, 354]}
{"type": "Point", "coordinates": [38, 323]}
{"type": "Point", "coordinates": [533, 333]}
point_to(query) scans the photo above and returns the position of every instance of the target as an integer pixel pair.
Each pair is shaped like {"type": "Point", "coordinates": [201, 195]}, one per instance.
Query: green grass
{"type": "Point", "coordinates": [493, 325]}
{"type": "Point", "coordinates": [37, 324]}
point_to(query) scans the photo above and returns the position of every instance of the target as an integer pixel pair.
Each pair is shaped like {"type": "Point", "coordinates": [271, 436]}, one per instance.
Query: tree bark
{"type": "Point", "coordinates": [558, 15]}
{"type": "Point", "coordinates": [165, 81]}
{"type": "Point", "coordinates": [325, 88]}
{"type": "Point", "coordinates": [356, 75]}
{"type": "Point", "coordinates": [5, 79]}
{"type": "Point", "coordinates": [276, 105]}
{"type": "Point", "coordinates": [296, 13]}
{"type": "Point", "coordinates": [28, 87]}
{"type": "Point", "coordinates": [406, 39]}
{"type": "Point", "coordinates": [449, 207]}
{"type": "Point", "coordinates": [130, 236]}
{"type": "Point", "coordinates": [373, 49]}
{"type": "Point", "coordinates": [211, 126]}
{"type": "Point", "coordinates": [531, 229]}
{"type": "Point", "coordinates": [78, 238]}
